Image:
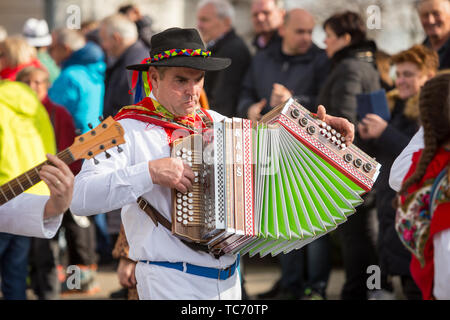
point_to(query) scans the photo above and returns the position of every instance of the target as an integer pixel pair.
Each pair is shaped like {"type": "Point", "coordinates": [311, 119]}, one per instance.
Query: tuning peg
{"type": "Point", "coordinates": [77, 132]}
{"type": "Point", "coordinates": [96, 161]}
{"type": "Point", "coordinates": [90, 125]}
{"type": "Point", "coordinates": [100, 118]}
{"type": "Point", "coordinates": [107, 155]}
{"type": "Point", "coordinates": [119, 149]}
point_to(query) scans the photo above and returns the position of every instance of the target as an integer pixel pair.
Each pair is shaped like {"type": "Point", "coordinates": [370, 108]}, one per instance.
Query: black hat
{"type": "Point", "coordinates": [176, 47]}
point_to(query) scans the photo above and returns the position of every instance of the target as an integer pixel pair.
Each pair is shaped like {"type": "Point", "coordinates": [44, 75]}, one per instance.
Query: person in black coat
{"type": "Point", "coordinates": [215, 24]}
{"type": "Point", "coordinates": [353, 71]}
{"type": "Point", "coordinates": [294, 67]}
{"type": "Point", "coordinates": [413, 68]}
{"type": "Point", "coordinates": [119, 39]}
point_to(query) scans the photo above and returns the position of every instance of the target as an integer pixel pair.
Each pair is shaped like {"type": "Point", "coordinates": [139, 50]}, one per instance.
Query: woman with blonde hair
{"type": "Point", "coordinates": [16, 54]}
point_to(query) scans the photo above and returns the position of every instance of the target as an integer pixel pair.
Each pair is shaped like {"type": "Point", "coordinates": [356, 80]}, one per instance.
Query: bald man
{"type": "Point", "coordinates": [293, 67]}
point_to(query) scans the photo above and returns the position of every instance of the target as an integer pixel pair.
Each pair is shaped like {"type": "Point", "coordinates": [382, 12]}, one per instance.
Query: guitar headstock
{"type": "Point", "coordinates": [106, 135]}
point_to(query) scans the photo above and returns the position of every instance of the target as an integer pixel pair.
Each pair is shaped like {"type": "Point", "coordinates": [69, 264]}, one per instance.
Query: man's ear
{"type": "Point", "coordinates": [348, 38]}
{"type": "Point", "coordinates": [153, 75]}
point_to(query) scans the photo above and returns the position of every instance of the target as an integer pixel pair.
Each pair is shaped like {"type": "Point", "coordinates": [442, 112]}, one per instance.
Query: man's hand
{"type": "Point", "coordinates": [59, 180]}
{"type": "Point", "coordinates": [172, 173]}
{"type": "Point", "coordinates": [279, 94]}
{"type": "Point", "coordinates": [342, 125]}
{"type": "Point", "coordinates": [125, 272]}
{"type": "Point", "coordinates": [372, 126]}
{"type": "Point", "coordinates": [254, 111]}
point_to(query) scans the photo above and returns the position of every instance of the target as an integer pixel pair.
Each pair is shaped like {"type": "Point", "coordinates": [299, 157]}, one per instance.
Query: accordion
{"type": "Point", "coordinates": [268, 187]}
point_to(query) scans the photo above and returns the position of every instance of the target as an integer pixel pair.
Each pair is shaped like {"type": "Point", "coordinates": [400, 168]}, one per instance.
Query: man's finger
{"type": "Point", "coordinates": [321, 112]}
{"type": "Point", "coordinates": [262, 103]}
{"type": "Point", "coordinates": [59, 164]}
{"type": "Point", "coordinates": [188, 173]}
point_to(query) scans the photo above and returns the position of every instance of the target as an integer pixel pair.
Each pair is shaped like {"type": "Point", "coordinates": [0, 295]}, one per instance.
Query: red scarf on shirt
{"type": "Point", "coordinates": [151, 111]}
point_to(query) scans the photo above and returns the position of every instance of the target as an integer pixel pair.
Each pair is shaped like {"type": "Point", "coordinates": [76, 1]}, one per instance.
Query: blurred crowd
{"type": "Point", "coordinates": [79, 76]}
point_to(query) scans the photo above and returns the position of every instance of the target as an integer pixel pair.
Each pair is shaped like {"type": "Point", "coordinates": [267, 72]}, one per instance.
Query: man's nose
{"type": "Point", "coordinates": [190, 89]}
{"type": "Point", "coordinates": [430, 18]}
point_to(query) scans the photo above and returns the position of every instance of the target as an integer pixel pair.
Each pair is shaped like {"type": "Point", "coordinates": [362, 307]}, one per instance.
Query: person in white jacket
{"type": "Point", "coordinates": [37, 215]}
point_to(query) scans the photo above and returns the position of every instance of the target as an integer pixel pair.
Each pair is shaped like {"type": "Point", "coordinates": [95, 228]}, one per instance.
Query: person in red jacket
{"type": "Point", "coordinates": [38, 79]}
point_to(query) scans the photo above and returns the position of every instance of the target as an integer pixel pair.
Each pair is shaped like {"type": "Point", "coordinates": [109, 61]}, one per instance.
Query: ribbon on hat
{"type": "Point", "coordinates": [179, 52]}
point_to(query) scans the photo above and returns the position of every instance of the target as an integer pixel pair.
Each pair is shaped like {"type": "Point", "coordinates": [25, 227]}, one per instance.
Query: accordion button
{"type": "Point", "coordinates": [189, 158]}
{"type": "Point", "coordinates": [191, 212]}
{"type": "Point", "coordinates": [323, 124]}
{"type": "Point", "coordinates": [328, 128]}
{"type": "Point", "coordinates": [185, 204]}
{"type": "Point", "coordinates": [323, 132]}
{"type": "Point", "coordinates": [190, 201]}
{"type": "Point", "coordinates": [348, 157]}
{"type": "Point", "coordinates": [185, 222]}
{"type": "Point", "coordinates": [179, 194]}
{"type": "Point", "coordinates": [338, 135]}
{"type": "Point", "coordinates": [185, 210]}
{"type": "Point", "coordinates": [179, 207]}
{"type": "Point", "coordinates": [178, 153]}
{"type": "Point", "coordinates": [191, 219]}
{"type": "Point", "coordinates": [184, 150]}
{"type": "Point", "coordinates": [179, 200]}
{"type": "Point", "coordinates": [337, 142]}
{"type": "Point", "coordinates": [333, 139]}
{"type": "Point", "coordinates": [195, 173]}
{"type": "Point", "coordinates": [357, 163]}
{"type": "Point", "coordinates": [342, 146]}
{"type": "Point", "coordinates": [333, 132]}
{"type": "Point", "coordinates": [295, 113]}
{"type": "Point", "coordinates": [328, 135]}
{"type": "Point", "coordinates": [184, 156]}
{"type": "Point", "coordinates": [185, 216]}
{"type": "Point", "coordinates": [184, 197]}
{"type": "Point", "coordinates": [179, 213]}
{"type": "Point", "coordinates": [189, 153]}
{"type": "Point", "coordinates": [179, 219]}
{"type": "Point", "coordinates": [195, 180]}
{"type": "Point", "coordinates": [367, 167]}
{"type": "Point", "coordinates": [303, 122]}
{"type": "Point", "coordinates": [311, 130]}
{"type": "Point", "coordinates": [190, 194]}
{"type": "Point", "coordinates": [190, 207]}
{"type": "Point", "coordinates": [343, 139]}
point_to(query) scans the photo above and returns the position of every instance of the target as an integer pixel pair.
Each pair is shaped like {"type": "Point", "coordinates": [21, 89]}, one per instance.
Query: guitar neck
{"type": "Point", "coordinates": [16, 186]}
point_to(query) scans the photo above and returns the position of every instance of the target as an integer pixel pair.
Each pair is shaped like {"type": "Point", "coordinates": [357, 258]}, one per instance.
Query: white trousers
{"type": "Point", "coordinates": [162, 283]}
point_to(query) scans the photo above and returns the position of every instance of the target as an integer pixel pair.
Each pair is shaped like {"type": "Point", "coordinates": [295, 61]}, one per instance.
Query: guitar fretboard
{"type": "Point", "coordinates": [16, 186]}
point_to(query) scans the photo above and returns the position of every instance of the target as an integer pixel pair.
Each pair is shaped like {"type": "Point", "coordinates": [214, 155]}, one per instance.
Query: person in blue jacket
{"type": "Point", "coordinates": [80, 86]}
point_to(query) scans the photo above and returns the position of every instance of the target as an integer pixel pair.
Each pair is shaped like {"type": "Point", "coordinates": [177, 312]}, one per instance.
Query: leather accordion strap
{"type": "Point", "coordinates": [153, 213]}
{"type": "Point", "coordinates": [159, 218]}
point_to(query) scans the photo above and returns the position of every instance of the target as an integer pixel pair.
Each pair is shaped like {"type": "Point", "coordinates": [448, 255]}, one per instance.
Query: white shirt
{"type": "Point", "coordinates": [24, 215]}
{"type": "Point", "coordinates": [118, 181]}
{"type": "Point", "coordinates": [441, 241]}
{"type": "Point", "coordinates": [403, 162]}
